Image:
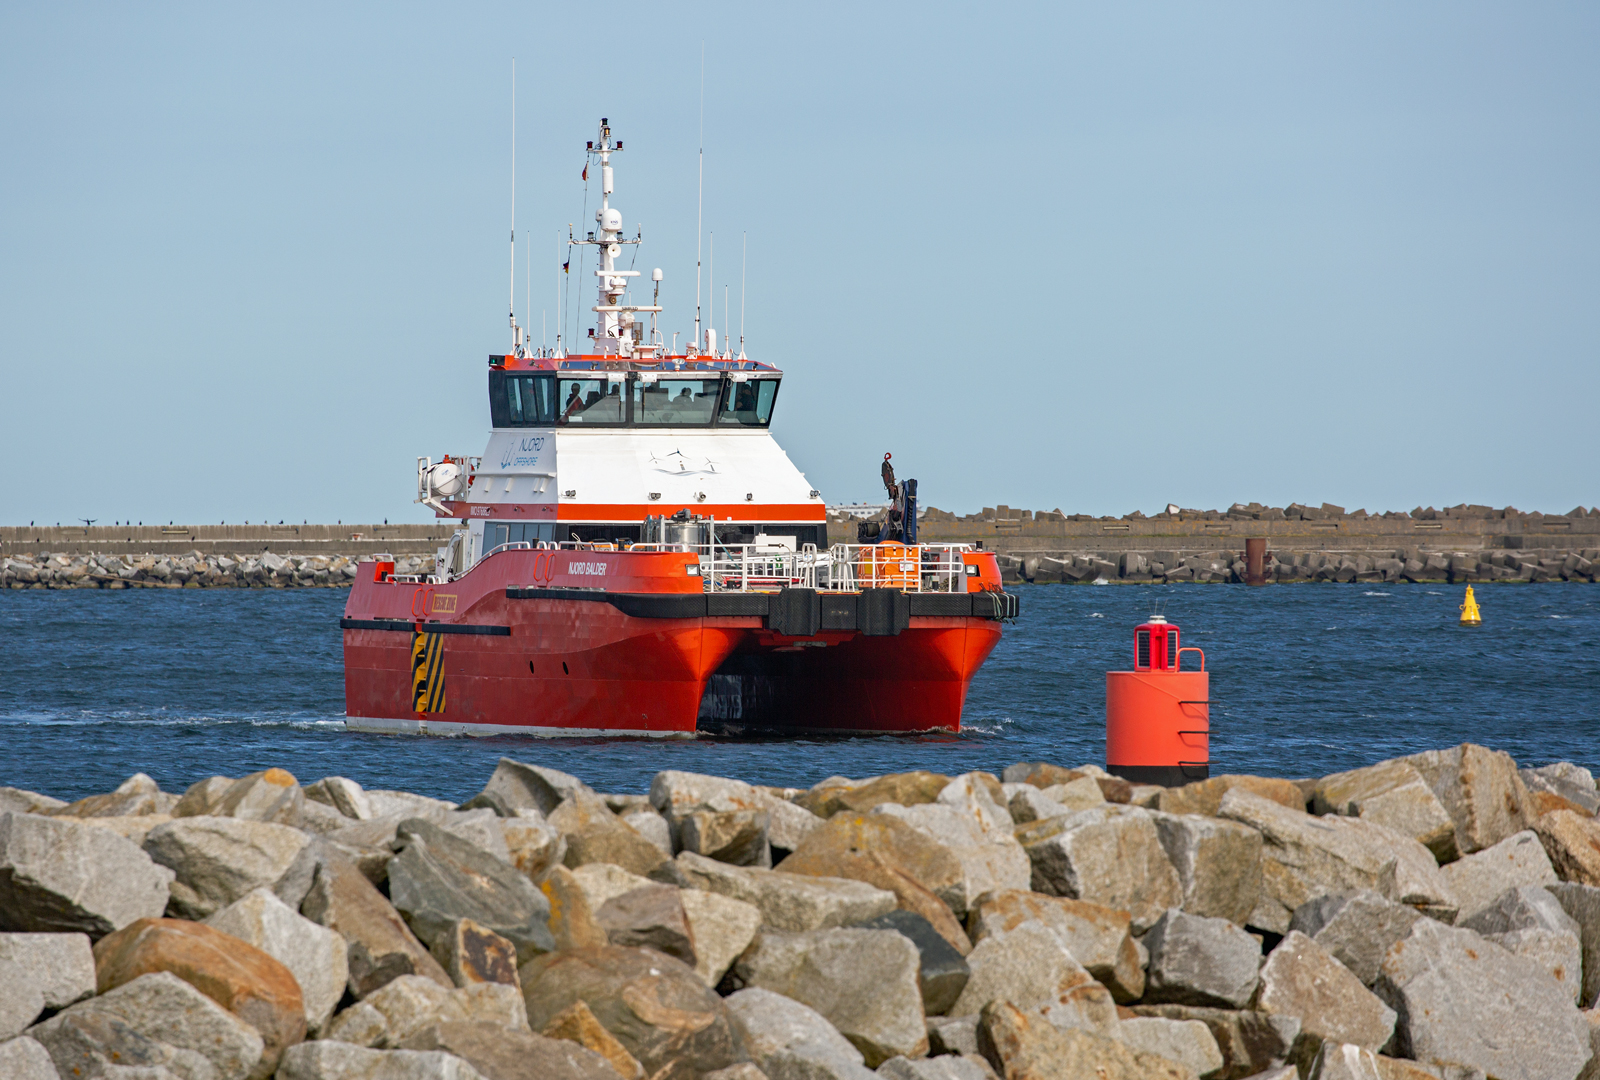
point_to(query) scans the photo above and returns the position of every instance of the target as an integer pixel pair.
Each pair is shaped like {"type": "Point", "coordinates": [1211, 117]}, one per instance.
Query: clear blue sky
{"type": "Point", "coordinates": [1100, 257]}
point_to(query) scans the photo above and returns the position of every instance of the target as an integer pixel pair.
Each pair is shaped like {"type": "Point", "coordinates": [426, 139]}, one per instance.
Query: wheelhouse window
{"type": "Point", "coordinates": [749, 403]}
{"type": "Point", "coordinates": [521, 400]}
{"type": "Point", "coordinates": [591, 402]}
{"type": "Point", "coordinates": [671, 402]}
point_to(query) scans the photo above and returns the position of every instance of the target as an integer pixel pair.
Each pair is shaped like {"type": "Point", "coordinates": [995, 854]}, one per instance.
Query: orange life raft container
{"type": "Point", "coordinates": [1158, 717]}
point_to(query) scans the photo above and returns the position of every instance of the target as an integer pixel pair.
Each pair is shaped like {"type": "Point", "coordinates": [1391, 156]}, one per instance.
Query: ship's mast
{"type": "Point", "coordinates": [616, 329]}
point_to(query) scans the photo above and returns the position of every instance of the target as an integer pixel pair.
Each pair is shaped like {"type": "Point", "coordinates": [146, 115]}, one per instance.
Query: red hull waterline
{"type": "Point", "coordinates": [526, 643]}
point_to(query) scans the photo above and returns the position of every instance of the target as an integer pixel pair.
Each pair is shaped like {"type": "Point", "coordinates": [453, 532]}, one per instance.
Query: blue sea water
{"type": "Point", "coordinates": [1306, 680]}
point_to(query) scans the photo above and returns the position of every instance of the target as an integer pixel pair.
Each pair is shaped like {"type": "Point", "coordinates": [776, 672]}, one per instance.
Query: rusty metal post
{"type": "Point", "coordinates": [1255, 561]}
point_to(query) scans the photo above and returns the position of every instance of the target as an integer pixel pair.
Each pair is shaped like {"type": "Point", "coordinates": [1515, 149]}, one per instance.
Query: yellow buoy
{"type": "Point", "coordinates": [1470, 615]}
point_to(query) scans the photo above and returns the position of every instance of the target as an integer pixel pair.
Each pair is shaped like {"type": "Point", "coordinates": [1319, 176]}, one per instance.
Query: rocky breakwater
{"type": "Point", "coordinates": [1430, 916]}
{"type": "Point", "coordinates": [191, 571]}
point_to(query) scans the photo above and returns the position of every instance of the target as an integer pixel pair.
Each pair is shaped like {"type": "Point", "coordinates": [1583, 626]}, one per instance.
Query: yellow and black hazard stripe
{"type": "Point", "coordinates": [427, 672]}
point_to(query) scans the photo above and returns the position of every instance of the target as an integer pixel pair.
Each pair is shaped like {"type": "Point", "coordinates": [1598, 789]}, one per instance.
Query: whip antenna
{"type": "Point", "coordinates": [700, 196]}
{"type": "Point", "coordinates": [511, 300]}
{"type": "Point", "coordinates": [744, 260]}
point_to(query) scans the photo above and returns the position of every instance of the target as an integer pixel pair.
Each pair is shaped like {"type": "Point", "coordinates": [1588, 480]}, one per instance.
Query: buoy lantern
{"type": "Point", "coordinates": [1470, 615]}
{"type": "Point", "coordinates": [1158, 717]}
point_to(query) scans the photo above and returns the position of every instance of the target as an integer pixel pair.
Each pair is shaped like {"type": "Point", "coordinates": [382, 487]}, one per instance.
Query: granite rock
{"type": "Point", "coordinates": [219, 859]}
{"type": "Point", "coordinates": [136, 796]}
{"type": "Point", "coordinates": [906, 789]}
{"type": "Point", "coordinates": [722, 928]}
{"type": "Point", "coordinates": [379, 945]}
{"type": "Point", "coordinates": [1188, 1042]}
{"type": "Point", "coordinates": [577, 1024]}
{"type": "Point", "coordinates": [1251, 1042]}
{"type": "Point", "coordinates": [1204, 797]}
{"type": "Point", "coordinates": [1023, 1047]}
{"type": "Point", "coordinates": [27, 1059]}
{"type": "Point", "coordinates": [1530, 922]}
{"type": "Point", "coordinates": [1572, 841]}
{"type": "Point", "coordinates": [241, 978]}
{"type": "Point", "coordinates": [272, 796]}
{"type": "Point", "coordinates": [731, 836]}
{"type": "Point", "coordinates": [863, 981]}
{"type": "Point", "coordinates": [471, 953]}
{"type": "Point", "coordinates": [1481, 878]}
{"type": "Point", "coordinates": [1392, 794]}
{"type": "Point", "coordinates": [1304, 980]}
{"type": "Point", "coordinates": [925, 875]}
{"type": "Point", "coordinates": [158, 1020]}
{"type": "Point", "coordinates": [438, 878]}
{"type": "Point", "coordinates": [39, 972]}
{"type": "Point", "coordinates": [792, 1041]}
{"type": "Point", "coordinates": [343, 795]}
{"type": "Point", "coordinates": [670, 1021]}
{"type": "Point", "coordinates": [594, 834]}
{"type": "Point", "coordinates": [60, 877]}
{"type": "Point", "coordinates": [972, 831]}
{"type": "Point", "coordinates": [389, 1016]}
{"type": "Point", "coordinates": [1567, 781]}
{"type": "Point", "coordinates": [1029, 968]}
{"type": "Point", "coordinates": [649, 917]}
{"type": "Point", "coordinates": [1480, 790]}
{"type": "Point", "coordinates": [316, 956]}
{"type": "Point", "coordinates": [1356, 928]}
{"type": "Point", "coordinates": [941, 972]}
{"type": "Point", "coordinates": [517, 786]}
{"type": "Point", "coordinates": [787, 902]}
{"type": "Point", "coordinates": [1582, 904]}
{"type": "Point", "coordinates": [1196, 960]}
{"type": "Point", "coordinates": [1109, 855]}
{"type": "Point", "coordinates": [343, 1061]}
{"type": "Point", "coordinates": [533, 846]}
{"type": "Point", "coordinates": [1099, 938]}
{"type": "Point", "coordinates": [1465, 1001]}
{"type": "Point", "coordinates": [1218, 863]}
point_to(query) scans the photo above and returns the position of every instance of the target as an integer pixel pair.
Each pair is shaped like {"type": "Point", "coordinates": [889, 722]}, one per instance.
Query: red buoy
{"type": "Point", "coordinates": [1158, 717]}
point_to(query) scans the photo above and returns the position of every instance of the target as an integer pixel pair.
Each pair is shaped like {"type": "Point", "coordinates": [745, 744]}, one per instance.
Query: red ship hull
{"type": "Point", "coordinates": [526, 642]}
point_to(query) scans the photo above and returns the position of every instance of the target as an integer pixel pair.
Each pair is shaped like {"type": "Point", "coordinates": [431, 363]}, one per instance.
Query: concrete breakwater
{"type": "Point", "coordinates": [192, 570]}
{"type": "Point", "coordinates": [1436, 915]}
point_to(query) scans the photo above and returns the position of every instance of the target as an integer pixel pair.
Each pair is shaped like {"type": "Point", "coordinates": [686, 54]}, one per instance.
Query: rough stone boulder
{"type": "Point", "coordinates": [438, 878]}
{"type": "Point", "coordinates": [1480, 790]}
{"type": "Point", "coordinates": [404, 1006]}
{"type": "Point", "coordinates": [1304, 857]}
{"type": "Point", "coordinates": [1099, 938]}
{"type": "Point", "coordinates": [157, 1020]}
{"type": "Point", "coordinates": [136, 796]}
{"type": "Point", "coordinates": [1572, 840]}
{"type": "Point", "coordinates": [722, 928]}
{"type": "Point", "coordinates": [649, 917]}
{"type": "Point", "coordinates": [23, 801]}
{"type": "Point", "coordinates": [39, 972]}
{"type": "Point", "coordinates": [1039, 774]}
{"type": "Point", "coordinates": [1029, 968]}
{"type": "Point", "coordinates": [517, 786]}
{"type": "Point", "coordinates": [924, 874]}
{"type": "Point", "coordinates": [1356, 928]}
{"type": "Point", "coordinates": [532, 845]}
{"type": "Point", "coordinates": [1303, 980]}
{"type": "Point", "coordinates": [596, 835]}
{"type": "Point", "coordinates": [1582, 904]}
{"type": "Point", "coordinates": [1204, 797]}
{"type": "Point", "coordinates": [791, 902]}
{"type": "Point", "coordinates": [1188, 1042]}
{"type": "Point", "coordinates": [1568, 782]}
{"type": "Point", "coordinates": [1480, 879]}
{"type": "Point", "coordinates": [1079, 794]}
{"type": "Point", "coordinates": [26, 1059]}
{"type": "Point", "coordinates": [235, 974]}
{"type": "Point", "coordinates": [1251, 1042]}
{"type": "Point", "coordinates": [273, 796]}
{"type": "Point", "coordinates": [1531, 923]}
{"type": "Point", "coordinates": [988, 855]}
{"type": "Point", "coordinates": [316, 956]}
{"type": "Point", "coordinates": [670, 1021]}
{"type": "Point", "coordinates": [1110, 855]}
{"type": "Point", "coordinates": [471, 953]}
{"type": "Point", "coordinates": [343, 1061]}
{"type": "Point", "coordinates": [380, 946]}
{"type": "Point", "coordinates": [577, 1024]}
{"type": "Point", "coordinates": [1392, 794]}
{"type": "Point", "coordinates": [499, 1054]}
{"type": "Point", "coordinates": [907, 789]}
{"type": "Point", "coordinates": [1027, 803]}
{"type": "Point", "coordinates": [1464, 1001]}
{"type": "Point", "coordinates": [941, 972]}
{"type": "Point", "coordinates": [218, 859]}
{"type": "Point", "coordinates": [1024, 1047]}
{"type": "Point", "coordinates": [1196, 960]}
{"type": "Point", "coordinates": [863, 981]}
{"type": "Point", "coordinates": [731, 836]}
{"type": "Point", "coordinates": [344, 795]}
{"type": "Point", "coordinates": [57, 876]}
{"type": "Point", "coordinates": [602, 881]}
{"type": "Point", "coordinates": [572, 904]}
{"type": "Point", "coordinates": [1218, 863]}
{"type": "Point", "coordinates": [789, 1039]}
{"type": "Point", "coordinates": [676, 795]}
{"type": "Point", "coordinates": [202, 797]}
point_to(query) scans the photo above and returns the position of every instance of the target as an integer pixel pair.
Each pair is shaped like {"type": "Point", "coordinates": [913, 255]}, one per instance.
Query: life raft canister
{"type": "Point", "coordinates": [1158, 717]}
